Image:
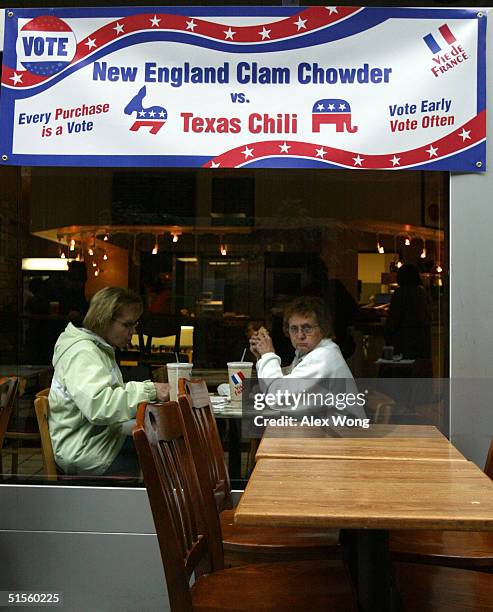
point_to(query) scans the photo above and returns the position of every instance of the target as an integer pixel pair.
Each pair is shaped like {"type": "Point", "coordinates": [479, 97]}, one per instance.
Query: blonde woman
{"type": "Point", "coordinates": [89, 402]}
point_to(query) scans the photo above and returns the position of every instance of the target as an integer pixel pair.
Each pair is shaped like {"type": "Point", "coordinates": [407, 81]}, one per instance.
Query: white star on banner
{"type": "Point", "coordinates": [300, 23]}
{"type": "Point", "coordinates": [284, 148]}
{"type": "Point", "coordinates": [155, 22]}
{"type": "Point", "coordinates": [265, 33]}
{"type": "Point", "coordinates": [465, 135]}
{"type": "Point", "coordinates": [191, 25]}
{"type": "Point", "coordinates": [342, 107]}
{"type": "Point", "coordinates": [395, 160]}
{"type": "Point", "coordinates": [432, 151]}
{"type": "Point", "coordinates": [118, 28]}
{"type": "Point", "coordinates": [91, 43]}
{"type": "Point", "coordinates": [320, 107]}
{"type": "Point", "coordinates": [142, 113]}
{"type": "Point", "coordinates": [358, 160]}
{"type": "Point", "coordinates": [161, 114]}
{"type": "Point", "coordinates": [229, 34]}
{"type": "Point", "coordinates": [151, 113]}
{"type": "Point", "coordinates": [247, 152]}
{"type": "Point", "coordinates": [213, 165]}
{"type": "Point", "coordinates": [17, 78]}
{"type": "Point", "coordinates": [331, 107]}
{"type": "Point", "coordinates": [321, 152]}
{"type": "Point", "coordinates": [331, 9]}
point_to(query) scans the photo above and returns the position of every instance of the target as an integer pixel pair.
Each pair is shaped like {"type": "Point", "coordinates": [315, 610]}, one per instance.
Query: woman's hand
{"type": "Point", "coordinates": [261, 342]}
{"type": "Point", "coordinates": [162, 392]}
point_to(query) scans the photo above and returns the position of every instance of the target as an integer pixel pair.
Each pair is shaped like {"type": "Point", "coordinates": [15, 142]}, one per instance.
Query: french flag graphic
{"type": "Point", "coordinates": [237, 378]}
{"type": "Point", "coordinates": [447, 35]}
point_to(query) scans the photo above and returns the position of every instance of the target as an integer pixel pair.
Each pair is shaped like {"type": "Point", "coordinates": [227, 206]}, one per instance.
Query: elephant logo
{"type": "Point", "coordinates": [332, 111]}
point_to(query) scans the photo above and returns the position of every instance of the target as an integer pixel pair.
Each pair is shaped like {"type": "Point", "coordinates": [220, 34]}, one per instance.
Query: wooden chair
{"type": "Point", "coordinates": [51, 470]}
{"type": "Point", "coordinates": [8, 390]}
{"type": "Point", "coordinates": [189, 539]}
{"type": "Point", "coordinates": [42, 408]}
{"type": "Point", "coordinates": [241, 544]}
{"type": "Point", "coordinates": [464, 549]}
{"type": "Point", "coordinates": [426, 588]}
{"type": "Point", "coordinates": [15, 438]}
{"type": "Point", "coordinates": [379, 407]}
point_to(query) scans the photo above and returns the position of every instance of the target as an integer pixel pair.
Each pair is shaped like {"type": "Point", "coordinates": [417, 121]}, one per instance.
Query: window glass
{"type": "Point", "coordinates": [214, 256]}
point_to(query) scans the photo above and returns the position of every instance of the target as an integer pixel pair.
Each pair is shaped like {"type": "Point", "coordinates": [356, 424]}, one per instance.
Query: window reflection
{"type": "Point", "coordinates": [211, 253]}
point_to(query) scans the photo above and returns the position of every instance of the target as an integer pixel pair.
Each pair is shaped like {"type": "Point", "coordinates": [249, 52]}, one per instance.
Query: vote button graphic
{"type": "Point", "coordinates": [46, 45]}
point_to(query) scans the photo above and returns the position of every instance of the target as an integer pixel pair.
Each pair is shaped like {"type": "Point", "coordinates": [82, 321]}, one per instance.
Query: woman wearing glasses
{"type": "Point", "coordinates": [306, 322]}
{"type": "Point", "coordinates": [89, 403]}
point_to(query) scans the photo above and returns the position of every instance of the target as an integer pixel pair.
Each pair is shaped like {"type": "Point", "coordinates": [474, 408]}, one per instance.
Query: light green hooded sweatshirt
{"type": "Point", "coordinates": [89, 402]}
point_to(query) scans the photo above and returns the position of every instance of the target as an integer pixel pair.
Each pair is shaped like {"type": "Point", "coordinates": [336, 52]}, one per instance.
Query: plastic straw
{"type": "Point", "coordinates": [177, 358]}
{"type": "Point", "coordinates": [243, 356]}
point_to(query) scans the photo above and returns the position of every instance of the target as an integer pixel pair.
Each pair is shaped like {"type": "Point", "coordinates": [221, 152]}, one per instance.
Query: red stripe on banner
{"type": "Point", "coordinates": [11, 78]}
{"type": "Point", "coordinates": [305, 21]}
{"type": "Point", "coordinates": [465, 136]}
{"type": "Point", "coordinates": [447, 34]}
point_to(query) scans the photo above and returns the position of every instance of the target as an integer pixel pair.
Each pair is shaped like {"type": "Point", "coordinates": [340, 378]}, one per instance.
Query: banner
{"type": "Point", "coordinates": [217, 87]}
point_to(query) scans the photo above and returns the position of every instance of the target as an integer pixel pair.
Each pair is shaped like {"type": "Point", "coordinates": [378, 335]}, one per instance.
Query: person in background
{"type": "Point", "coordinates": [408, 325]}
{"type": "Point", "coordinates": [89, 403]}
{"type": "Point", "coordinates": [72, 298]}
{"type": "Point", "coordinates": [317, 356]}
{"type": "Point", "coordinates": [342, 307]}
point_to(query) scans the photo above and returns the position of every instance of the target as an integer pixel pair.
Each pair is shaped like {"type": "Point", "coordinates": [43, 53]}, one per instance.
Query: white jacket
{"type": "Point", "coordinates": [325, 361]}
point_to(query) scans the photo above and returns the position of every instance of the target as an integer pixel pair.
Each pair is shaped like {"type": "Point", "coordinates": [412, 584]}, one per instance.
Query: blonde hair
{"type": "Point", "coordinates": [106, 305]}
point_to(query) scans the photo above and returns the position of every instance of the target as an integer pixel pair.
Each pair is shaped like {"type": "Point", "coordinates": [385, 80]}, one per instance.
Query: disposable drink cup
{"type": "Point", "coordinates": [238, 371]}
{"type": "Point", "coordinates": [175, 372]}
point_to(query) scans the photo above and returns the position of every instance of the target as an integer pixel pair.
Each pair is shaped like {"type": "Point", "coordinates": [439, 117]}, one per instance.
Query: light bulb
{"type": "Point", "coordinates": [90, 251]}
{"type": "Point", "coordinates": [439, 269]}
{"type": "Point", "coordinates": [223, 249]}
{"type": "Point", "coordinates": [175, 236]}
{"type": "Point", "coordinates": [62, 255]}
{"type": "Point", "coordinates": [380, 248]}
{"type": "Point", "coordinates": [106, 237]}
{"type": "Point", "coordinates": [94, 264]}
{"type": "Point", "coordinates": [399, 264]}
{"type": "Point", "coordinates": [423, 253]}
{"type": "Point", "coordinates": [155, 249]}
{"type": "Point", "coordinates": [96, 272]}
{"type": "Point", "coordinates": [407, 241]}
{"type": "Point", "coordinates": [105, 256]}
{"type": "Point", "coordinates": [72, 245]}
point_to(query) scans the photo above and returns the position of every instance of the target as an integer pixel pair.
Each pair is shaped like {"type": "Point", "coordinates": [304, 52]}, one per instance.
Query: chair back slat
{"type": "Point", "coordinates": [42, 409]}
{"type": "Point", "coordinates": [207, 450]}
{"type": "Point", "coordinates": [8, 390]}
{"type": "Point", "coordinates": [179, 513]}
{"type": "Point", "coordinates": [488, 466]}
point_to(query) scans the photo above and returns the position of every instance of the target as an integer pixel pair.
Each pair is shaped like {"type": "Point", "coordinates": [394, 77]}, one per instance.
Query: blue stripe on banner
{"type": "Point", "coordinates": [481, 50]}
{"type": "Point", "coordinates": [432, 43]}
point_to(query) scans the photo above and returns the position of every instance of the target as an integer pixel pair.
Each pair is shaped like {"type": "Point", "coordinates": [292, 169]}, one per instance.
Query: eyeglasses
{"type": "Point", "coordinates": [128, 324]}
{"type": "Point", "coordinates": [307, 330]}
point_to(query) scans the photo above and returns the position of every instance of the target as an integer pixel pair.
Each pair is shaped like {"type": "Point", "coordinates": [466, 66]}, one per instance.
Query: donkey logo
{"type": "Point", "coordinates": [335, 111]}
{"type": "Point", "coordinates": [153, 117]}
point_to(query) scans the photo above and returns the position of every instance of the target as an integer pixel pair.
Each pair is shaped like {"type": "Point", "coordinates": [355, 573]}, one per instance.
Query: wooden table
{"type": "Point", "coordinates": [403, 442]}
{"type": "Point", "coordinates": [371, 497]}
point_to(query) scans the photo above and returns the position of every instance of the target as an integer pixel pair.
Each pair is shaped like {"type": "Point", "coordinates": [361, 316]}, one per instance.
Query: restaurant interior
{"type": "Point", "coordinates": [211, 253]}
